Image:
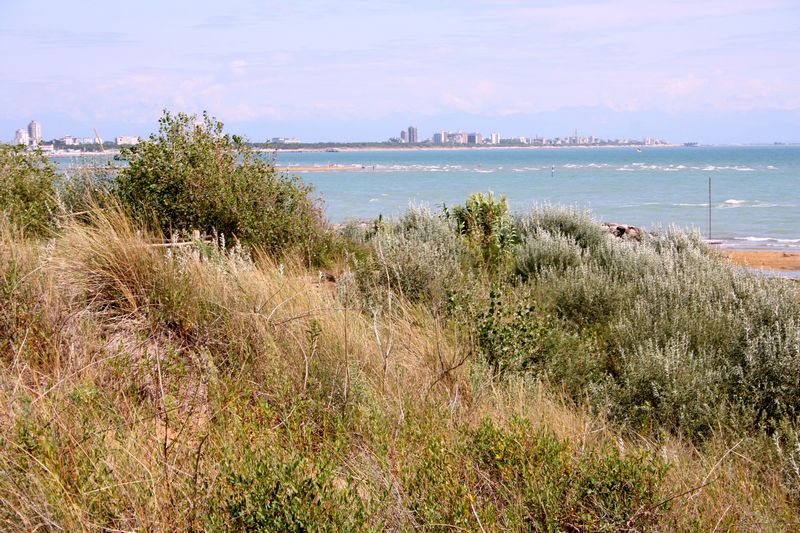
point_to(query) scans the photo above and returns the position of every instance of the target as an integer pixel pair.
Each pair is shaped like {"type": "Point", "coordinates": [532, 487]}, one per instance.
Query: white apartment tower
{"type": "Point", "coordinates": [413, 135]}
{"type": "Point", "coordinates": [34, 133]}
{"type": "Point", "coordinates": [21, 137]}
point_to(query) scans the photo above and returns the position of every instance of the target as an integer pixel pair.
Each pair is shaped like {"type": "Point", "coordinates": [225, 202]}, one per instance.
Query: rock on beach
{"type": "Point", "coordinates": [623, 231]}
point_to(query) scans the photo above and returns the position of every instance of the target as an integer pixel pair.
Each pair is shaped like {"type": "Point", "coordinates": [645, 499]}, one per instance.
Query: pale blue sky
{"type": "Point", "coordinates": [706, 70]}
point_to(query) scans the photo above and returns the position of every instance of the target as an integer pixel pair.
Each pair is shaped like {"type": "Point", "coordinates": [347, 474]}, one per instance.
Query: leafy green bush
{"type": "Point", "coordinates": [193, 176]}
{"type": "Point", "coordinates": [263, 492]}
{"type": "Point", "coordinates": [560, 489]}
{"type": "Point", "coordinates": [486, 225]}
{"type": "Point", "coordinates": [26, 189]}
{"type": "Point", "coordinates": [513, 336]}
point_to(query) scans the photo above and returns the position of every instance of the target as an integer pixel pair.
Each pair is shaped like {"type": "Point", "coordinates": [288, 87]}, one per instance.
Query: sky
{"type": "Point", "coordinates": [711, 71]}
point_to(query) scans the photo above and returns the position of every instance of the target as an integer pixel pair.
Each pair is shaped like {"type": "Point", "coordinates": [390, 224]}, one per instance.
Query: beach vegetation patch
{"type": "Point", "coordinates": [27, 199]}
{"type": "Point", "coordinates": [191, 175]}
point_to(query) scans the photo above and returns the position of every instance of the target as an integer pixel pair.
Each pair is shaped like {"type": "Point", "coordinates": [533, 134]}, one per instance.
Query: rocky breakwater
{"type": "Point", "coordinates": [623, 231]}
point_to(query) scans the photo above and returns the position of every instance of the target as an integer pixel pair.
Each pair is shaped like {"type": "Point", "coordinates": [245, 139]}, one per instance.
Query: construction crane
{"type": "Point", "coordinates": [99, 140]}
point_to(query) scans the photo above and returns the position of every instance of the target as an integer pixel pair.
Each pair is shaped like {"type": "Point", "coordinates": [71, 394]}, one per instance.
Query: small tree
{"type": "Point", "coordinates": [26, 189]}
{"type": "Point", "coordinates": [191, 175]}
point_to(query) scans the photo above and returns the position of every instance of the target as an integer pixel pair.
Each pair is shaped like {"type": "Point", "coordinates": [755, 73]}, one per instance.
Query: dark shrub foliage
{"type": "Point", "coordinates": [26, 189]}
{"type": "Point", "coordinates": [191, 175]}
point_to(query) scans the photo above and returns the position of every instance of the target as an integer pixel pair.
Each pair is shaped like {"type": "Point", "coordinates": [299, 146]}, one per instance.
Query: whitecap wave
{"type": "Point", "coordinates": [767, 239]}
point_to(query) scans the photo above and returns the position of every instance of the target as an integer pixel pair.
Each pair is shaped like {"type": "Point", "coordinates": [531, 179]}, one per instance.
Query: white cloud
{"type": "Point", "coordinates": [684, 86]}
{"type": "Point", "coordinates": [238, 66]}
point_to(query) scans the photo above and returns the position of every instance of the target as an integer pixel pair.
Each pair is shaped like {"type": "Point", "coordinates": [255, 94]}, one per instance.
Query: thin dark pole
{"type": "Point", "coordinates": [709, 208]}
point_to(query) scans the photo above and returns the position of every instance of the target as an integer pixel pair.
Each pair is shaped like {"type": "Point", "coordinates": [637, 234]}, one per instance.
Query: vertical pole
{"type": "Point", "coordinates": [709, 208]}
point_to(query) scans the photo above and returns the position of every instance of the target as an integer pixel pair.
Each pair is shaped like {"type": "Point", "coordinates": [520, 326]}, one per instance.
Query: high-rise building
{"type": "Point", "coordinates": [21, 137]}
{"type": "Point", "coordinates": [440, 137]}
{"type": "Point", "coordinates": [495, 138]}
{"type": "Point", "coordinates": [403, 136]}
{"type": "Point", "coordinates": [413, 135]}
{"type": "Point", "coordinates": [457, 138]}
{"type": "Point", "coordinates": [34, 133]}
{"type": "Point", "coordinates": [474, 138]}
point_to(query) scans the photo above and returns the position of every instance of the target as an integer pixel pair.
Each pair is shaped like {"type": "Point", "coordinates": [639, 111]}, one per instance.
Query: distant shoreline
{"type": "Point", "coordinates": [389, 148]}
{"type": "Point", "coordinates": [463, 148]}
{"type": "Point", "coordinates": [400, 148]}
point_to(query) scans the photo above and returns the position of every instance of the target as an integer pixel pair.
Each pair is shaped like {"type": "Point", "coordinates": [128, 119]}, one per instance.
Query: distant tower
{"type": "Point", "coordinates": [403, 136]}
{"type": "Point", "coordinates": [21, 137]}
{"type": "Point", "coordinates": [413, 135]}
{"type": "Point", "coordinates": [34, 133]}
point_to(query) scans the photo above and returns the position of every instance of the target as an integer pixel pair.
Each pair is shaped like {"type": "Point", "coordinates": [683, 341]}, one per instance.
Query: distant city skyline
{"type": "Point", "coordinates": [32, 137]}
{"type": "Point", "coordinates": [717, 71]}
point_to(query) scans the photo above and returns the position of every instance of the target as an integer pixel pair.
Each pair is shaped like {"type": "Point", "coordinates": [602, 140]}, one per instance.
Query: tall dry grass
{"type": "Point", "coordinates": [158, 388]}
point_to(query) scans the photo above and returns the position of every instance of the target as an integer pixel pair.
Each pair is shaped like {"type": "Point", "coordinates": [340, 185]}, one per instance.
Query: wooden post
{"type": "Point", "coordinates": [196, 237]}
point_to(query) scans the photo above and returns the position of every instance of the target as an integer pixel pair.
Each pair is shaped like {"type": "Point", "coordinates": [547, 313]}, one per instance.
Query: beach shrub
{"type": "Point", "coordinates": [26, 189]}
{"type": "Point", "coordinates": [265, 492]}
{"type": "Point", "coordinates": [567, 221]}
{"type": "Point", "coordinates": [514, 336]}
{"type": "Point", "coordinates": [192, 175]}
{"type": "Point", "coordinates": [418, 256]}
{"type": "Point", "coordinates": [84, 188]}
{"type": "Point", "coordinates": [486, 225]}
{"type": "Point", "coordinates": [544, 250]}
{"type": "Point", "coordinates": [680, 340]}
{"type": "Point", "coordinates": [666, 387]}
{"type": "Point", "coordinates": [558, 488]}
{"type": "Point", "coordinates": [585, 296]}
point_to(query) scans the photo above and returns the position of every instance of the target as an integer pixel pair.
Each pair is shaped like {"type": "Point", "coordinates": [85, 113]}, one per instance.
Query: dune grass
{"type": "Point", "coordinates": [209, 388]}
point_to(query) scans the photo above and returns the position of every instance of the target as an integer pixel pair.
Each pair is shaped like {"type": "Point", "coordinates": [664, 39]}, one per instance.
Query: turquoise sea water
{"type": "Point", "coordinates": [755, 190]}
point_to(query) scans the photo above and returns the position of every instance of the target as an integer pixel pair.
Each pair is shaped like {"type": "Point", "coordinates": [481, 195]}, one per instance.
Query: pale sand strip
{"type": "Point", "coordinates": [784, 261]}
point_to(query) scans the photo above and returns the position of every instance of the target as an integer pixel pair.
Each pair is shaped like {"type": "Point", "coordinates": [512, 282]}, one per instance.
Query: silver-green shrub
{"type": "Point", "coordinates": [559, 220]}
{"type": "Point", "coordinates": [419, 256]}
{"type": "Point", "coordinates": [668, 386]}
{"type": "Point", "coordinates": [543, 250]}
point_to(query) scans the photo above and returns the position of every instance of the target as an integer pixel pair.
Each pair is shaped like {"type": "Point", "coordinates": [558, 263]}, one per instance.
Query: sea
{"type": "Point", "coordinates": [755, 190]}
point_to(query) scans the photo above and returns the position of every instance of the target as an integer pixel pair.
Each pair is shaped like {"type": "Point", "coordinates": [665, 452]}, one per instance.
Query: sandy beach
{"type": "Point", "coordinates": [769, 260]}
